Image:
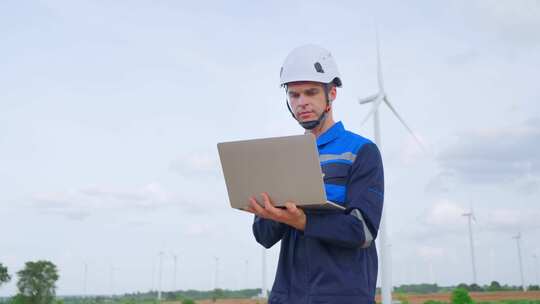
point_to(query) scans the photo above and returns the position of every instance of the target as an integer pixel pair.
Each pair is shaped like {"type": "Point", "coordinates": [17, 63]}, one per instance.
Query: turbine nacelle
{"type": "Point", "coordinates": [381, 97]}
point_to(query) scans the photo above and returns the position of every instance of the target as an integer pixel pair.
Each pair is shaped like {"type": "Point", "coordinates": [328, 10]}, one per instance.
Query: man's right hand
{"type": "Point", "coordinates": [291, 215]}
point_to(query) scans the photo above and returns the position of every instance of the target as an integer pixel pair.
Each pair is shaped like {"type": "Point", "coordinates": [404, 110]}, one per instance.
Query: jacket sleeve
{"type": "Point", "coordinates": [268, 232]}
{"type": "Point", "coordinates": [358, 225]}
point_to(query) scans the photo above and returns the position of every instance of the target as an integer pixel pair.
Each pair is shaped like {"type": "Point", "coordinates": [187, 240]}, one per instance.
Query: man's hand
{"type": "Point", "coordinates": [291, 215]}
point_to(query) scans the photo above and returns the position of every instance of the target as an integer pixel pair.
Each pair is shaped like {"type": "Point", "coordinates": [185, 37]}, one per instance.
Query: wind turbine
{"type": "Point", "coordinates": [264, 294]}
{"type": "Point", "coordinates": [535, 257]}
{"type": "Point", "coordinates": [518, 238]}
{"type": "Point", "coordinates": [112, 269]}
{"type": "Point", "coordinates": [85, 281]}
{"type": "Point", "coordinates": [175, 258]}
{"type": "Point", "coordinates": [470, 218]}
{"type": "Point", "coordinates": [153, 274]}
{"type": "Point", "coordinates": [160, 274]}
{"type": "Point", "coordinates": [246, 274]}
{"type": "Point", "coordinates": [384, 243]}
{"type": "Point", "coordinates": [216, 280]}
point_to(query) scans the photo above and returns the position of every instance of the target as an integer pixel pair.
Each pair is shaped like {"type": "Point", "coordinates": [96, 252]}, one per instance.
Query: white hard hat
{"type": "Point", "coordinates": [310, 63]}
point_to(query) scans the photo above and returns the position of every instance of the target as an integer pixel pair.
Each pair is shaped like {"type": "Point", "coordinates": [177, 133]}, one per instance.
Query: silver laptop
{"type": "Point", "coordinates": [287, 168]}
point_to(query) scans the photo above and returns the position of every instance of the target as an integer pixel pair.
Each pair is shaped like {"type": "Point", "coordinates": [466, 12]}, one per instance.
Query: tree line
{"type": "Point", "coordinates": [37, 285]}
{"type": "Point", "coordinates": [434, 288]}
{"type": "Point", "coordinates": [198, 294]}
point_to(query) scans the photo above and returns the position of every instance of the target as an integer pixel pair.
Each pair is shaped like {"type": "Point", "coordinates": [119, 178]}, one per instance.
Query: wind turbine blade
{"type": "Point", "coordinates": [379, 68]}
{"type": "Point", "coordinates": [368, 99]}
{"type": "Point", "coordinates": [404, 124]}
{"type": "Point", "coordinates": [376, 104]}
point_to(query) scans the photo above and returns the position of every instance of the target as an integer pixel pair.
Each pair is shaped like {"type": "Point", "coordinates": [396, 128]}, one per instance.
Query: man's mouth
{"type": "Point", "coordinates": [304, 114]}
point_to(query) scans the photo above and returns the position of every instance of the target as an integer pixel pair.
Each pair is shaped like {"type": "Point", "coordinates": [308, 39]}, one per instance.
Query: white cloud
{"type": "Point", "coordinates": [443, 182]}
{"type": "Point", "coordinates": [65, 204]}
{"type": "Point", "coordinates": [524, 13]}
{"type": "Point", "coordinates": [527, 185]}
{"type": "Point", "coordinates": [200, 229]}
{"type": "Point", "coordinates": [443, 219]}
{"type": "Point", "coordinates": [148, 196]}
{"type": "Point", "coordinates": [495, 155]}
{"type": "Point", "coordinates": [512, 21]}
{"type": "Point", "coordinates": [82, 203]}
{"type": "Point", "coordinates": [413, 152]}
{"type": "Point", "coordinates": [444, 213]}
{"type": "Point", "coordinates": [429, 252]}
{"type": "Point", "coordinates": [513, 220]}
{"type": "Point", "coordinates": [202, 164]}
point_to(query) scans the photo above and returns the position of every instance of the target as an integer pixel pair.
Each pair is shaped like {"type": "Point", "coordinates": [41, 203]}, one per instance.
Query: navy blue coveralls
{"type": "Point", "coordinates": [334, 260]}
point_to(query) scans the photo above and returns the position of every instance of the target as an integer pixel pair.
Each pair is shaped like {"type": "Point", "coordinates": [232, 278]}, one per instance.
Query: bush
{"type": "Point", "coordinates": [417, 288]}
{"type": "Point", "coordinates": [433, 302]}
{"type": "Point", "coordinates": [402, 298]}
{"type": "Point", "coordinates": [461, 296]}
{"type": "Point", "coordinates": [475, 287]}
{"type": "Point", "coordinates": [188, 301]}
{"type": "Point", "coordinates": [534, 287]}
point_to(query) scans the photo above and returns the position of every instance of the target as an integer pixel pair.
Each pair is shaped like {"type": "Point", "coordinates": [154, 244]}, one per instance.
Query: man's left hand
{"type": "Point", "coordinates": [291, 215]}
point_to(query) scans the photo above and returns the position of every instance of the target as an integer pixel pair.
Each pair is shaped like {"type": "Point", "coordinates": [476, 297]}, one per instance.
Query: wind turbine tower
{"type": "Point", "coordinates": [470, 218]}
{"type": "Point", "coordinates": [85, 278]}
{"type": "Point", "coordinates": [175, 258]}
{"type": "Point", "coordinates": [160, 274]}
{"type": "Point", "coordinates": [246, 274]}
{"type": "Point", "coordinates": [216, 273]}
{"type": "Point", "coordinates": [518, 239]}
{"type": "Point", "coordinates": [264, 295]}
{"type": "Point", "coordinates": [537, 269]}
{"type": "Point", "coordinates": [384, 242]}
{"type": "Point", "coordinates": [112, 280]}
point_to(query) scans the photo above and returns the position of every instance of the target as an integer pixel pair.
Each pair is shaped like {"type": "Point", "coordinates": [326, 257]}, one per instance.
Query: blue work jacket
{"type": "Point", "coordinates": [334, 260]}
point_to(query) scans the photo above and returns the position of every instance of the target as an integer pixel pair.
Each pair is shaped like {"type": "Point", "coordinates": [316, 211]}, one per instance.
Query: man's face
{"type": "Point", "coordinates": [307, 99]}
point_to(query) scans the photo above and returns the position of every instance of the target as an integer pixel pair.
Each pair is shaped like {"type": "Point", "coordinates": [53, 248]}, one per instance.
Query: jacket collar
{"type": "Point", "coordinates": [332, 133]}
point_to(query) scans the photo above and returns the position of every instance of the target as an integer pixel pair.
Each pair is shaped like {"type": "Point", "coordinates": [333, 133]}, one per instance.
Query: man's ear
{"type": "Point", "coordinates": [332, 93]}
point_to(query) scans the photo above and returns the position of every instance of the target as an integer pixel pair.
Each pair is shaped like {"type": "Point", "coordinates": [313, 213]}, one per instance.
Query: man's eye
{"type": "Point", "coordinates": [311, 93]}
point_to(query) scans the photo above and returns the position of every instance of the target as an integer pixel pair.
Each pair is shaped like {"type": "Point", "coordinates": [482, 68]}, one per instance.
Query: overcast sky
{"type": "Point", "coordinates": [110, 112]}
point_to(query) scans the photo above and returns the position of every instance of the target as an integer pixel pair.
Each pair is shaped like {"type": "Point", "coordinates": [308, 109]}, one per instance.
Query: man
{"type": "Point", "coordinates": [326, 256]}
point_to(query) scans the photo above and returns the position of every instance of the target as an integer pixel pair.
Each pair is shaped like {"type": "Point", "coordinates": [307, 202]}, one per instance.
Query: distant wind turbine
{"type": "Point", "coordinates": [85, 278]}
{"type": "Point", "coordinates": [537, 269]}
{"type": "Point", "coordinates": [153, 274]}
{"type": "Point", "coordinates": [384, 243]}
{"type": "Point", "coordinates": [160, 274]}
{"type": "Point", "coordinates": [216, 282]}
{"type": "Point", "coordinates": [246, 274]}
{"type": "Point", "coordinates": [470, 218]}
{"type": "Point", "coordinates": [112, 280]}
{"type": "Point", "coordinates": [175, 258]}
{"type": "Point", "coordinates": [518, 239]}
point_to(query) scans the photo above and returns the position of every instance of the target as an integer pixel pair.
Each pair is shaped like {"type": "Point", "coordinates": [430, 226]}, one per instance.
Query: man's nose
{"type": "Point", "coordinates": [302, 100]}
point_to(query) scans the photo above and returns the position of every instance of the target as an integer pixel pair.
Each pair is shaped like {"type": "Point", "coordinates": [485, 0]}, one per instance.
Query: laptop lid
{"type": "Point", "coordinates": [287, 168]}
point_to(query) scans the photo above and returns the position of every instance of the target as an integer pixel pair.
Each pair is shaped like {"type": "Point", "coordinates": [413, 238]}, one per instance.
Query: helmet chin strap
{"type": "Point", "coordinates": [312, 124]}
